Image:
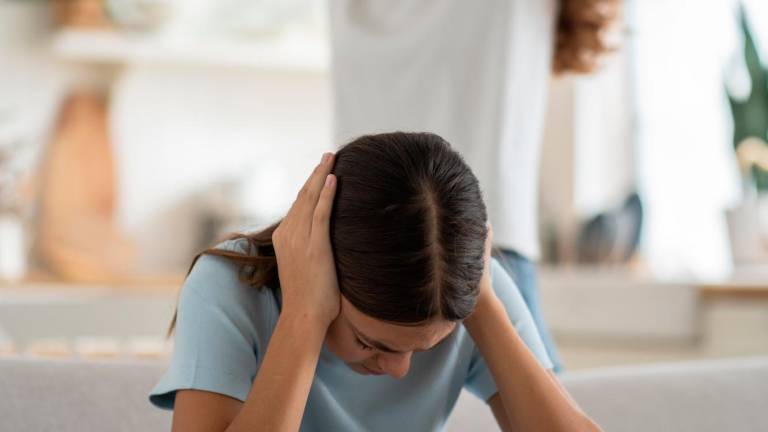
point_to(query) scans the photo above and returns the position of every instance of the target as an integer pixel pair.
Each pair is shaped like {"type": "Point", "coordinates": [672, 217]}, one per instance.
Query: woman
{"type": "Point", "coordinates": [478, 77]}
{"type": "Point", "coordinates": [368, 307]}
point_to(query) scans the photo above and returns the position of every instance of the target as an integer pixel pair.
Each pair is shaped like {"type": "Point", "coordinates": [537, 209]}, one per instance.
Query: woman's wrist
{"type": "Point", "coordinates": [306, 320]}
{"type": "Point", "coordinates": [488, 305]}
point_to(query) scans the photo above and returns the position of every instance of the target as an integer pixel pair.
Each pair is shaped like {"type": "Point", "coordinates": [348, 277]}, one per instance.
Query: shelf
{"type": "Point", "coordinates": [295, 53]}
{"type": "Point", "coordinates": [40, 286]}
{"type": "Point", "coordinates": [748, 282]}
{"type": "Point", "coordinates": [737, 291]}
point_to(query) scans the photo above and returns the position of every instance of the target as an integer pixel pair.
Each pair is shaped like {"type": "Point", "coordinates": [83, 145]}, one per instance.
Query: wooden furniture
{"type": "Point", "coordinates": [81, 13]}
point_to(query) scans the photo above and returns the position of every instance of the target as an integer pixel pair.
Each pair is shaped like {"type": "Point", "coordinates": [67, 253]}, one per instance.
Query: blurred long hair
{"type": "Point", "coordinates": [582, 34]}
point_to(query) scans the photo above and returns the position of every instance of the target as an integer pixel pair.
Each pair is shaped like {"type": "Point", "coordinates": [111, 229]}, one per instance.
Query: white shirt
{"type": "Point", "coordinates": [475, 74]}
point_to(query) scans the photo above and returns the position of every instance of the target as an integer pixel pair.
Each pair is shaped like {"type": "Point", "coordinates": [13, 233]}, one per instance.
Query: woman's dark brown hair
{"type": "Point", "coordinates": [582, 30]}
{"type": "Point", "coordinates": [408, 231]}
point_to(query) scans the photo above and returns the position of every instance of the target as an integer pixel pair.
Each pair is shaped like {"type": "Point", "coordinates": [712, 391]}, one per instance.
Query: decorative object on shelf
{"type": "Point", "coordinates": [748, 94]}
{"type": "Point", "coordinates": [612, 236]}
{"type": "Point", "coordinates": [149, 348]}
{"type": "Point", "coordinates": [218, 214]}
{"type": "Point", "coordinates": [81, 13]}
{"type": "Point", "coordinates": [748, 222]}
{"type": "Point", "coordinates": [299, 54]}
{"type": "Point", "coordinates": [54, 347]}
{"type": "Point", "coordinates": [232, 19]}
{"type": "Point", "coordinates": [15, 197]}
{"type": "Point", "coordinates": [13, 250]}
{"type": "Point", "coordinates": [77, 238]}
{"type": "Point", "coordinates": [259, 18]}
{"type": "Point", "coordinates": [93, 348]}
{"type": "Point", "coordinates": [189, 19]}
{"type": "Point", "coordinates": [141, 14]}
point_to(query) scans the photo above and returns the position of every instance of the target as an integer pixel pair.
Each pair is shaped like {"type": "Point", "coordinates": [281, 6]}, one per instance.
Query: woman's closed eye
{"type": "Point", "coordinates": [363, 345]}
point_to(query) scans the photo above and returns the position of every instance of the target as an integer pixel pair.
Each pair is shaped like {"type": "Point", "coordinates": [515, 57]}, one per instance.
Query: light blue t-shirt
{"type": "Point", "coordinates": [223, 328]}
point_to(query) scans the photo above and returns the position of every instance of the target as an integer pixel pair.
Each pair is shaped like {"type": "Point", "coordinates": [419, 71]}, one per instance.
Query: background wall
{"type": "Point", "coordinates": [202, 137]}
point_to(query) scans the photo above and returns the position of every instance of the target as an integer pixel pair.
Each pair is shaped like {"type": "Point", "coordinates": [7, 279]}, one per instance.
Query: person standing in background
{"type": "Point", "coordinates": [478, 75]}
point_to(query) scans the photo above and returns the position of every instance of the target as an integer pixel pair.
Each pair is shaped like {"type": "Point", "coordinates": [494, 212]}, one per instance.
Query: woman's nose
{"type": "Point", "coordinates": [395, 364]}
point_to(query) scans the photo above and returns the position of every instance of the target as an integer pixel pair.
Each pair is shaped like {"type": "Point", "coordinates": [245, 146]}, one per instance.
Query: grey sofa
{"type": "Point", "coordinates": [722, 395]}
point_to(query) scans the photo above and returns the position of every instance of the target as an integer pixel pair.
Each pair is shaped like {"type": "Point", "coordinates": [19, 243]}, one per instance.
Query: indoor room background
{"type": "Point", "coordinates": [133, 134]}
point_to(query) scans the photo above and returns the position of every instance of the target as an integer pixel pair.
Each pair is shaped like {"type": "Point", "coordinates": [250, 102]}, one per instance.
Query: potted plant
{"type": "Point", "coordinates": [748, 97]}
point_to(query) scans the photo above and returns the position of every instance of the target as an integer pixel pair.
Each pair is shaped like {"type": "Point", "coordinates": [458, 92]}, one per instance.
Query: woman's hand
{"type": "Point", "coordinates": [529, 398]}
{"type": "Point", "coordinates": [486, 295]}
{"type": "Point", "coordinates": [486, 287]}
{"type": "Point", "coordinates": [303, 250]}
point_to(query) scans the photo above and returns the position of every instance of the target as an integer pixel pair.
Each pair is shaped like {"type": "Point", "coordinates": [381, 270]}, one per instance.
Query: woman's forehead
{"type": "Point", "coordinates": [399, 337]}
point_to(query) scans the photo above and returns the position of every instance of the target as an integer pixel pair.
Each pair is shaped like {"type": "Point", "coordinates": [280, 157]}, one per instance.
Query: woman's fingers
{"type": "Point", "coordinates": [307, 198]}
{"type": "Point", "coordinates": [322, 215]}
{"type": "Point", "coordinates": [488, 244]}
{"type": "Point", "coordinates": [305, 259]}
{"type": "Point", "coordinates": [489, 238]}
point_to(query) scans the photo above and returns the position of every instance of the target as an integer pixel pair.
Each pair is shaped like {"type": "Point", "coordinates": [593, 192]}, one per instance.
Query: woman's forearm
{"type": "Point", "coordinates": [279, 392]}
{"type": "Point", "coordinates": [532, 399]}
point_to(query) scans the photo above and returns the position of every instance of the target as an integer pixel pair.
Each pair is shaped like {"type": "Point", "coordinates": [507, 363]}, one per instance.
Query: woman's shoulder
{"type": "Point", "coordinates": [498, 275]}
{"type": "Point", "coordinates": [223, 327]}
{"type": "Point", "coordinates": [215, 281]}
{"type": "Point", "coordinates": [506, 289]}
{"type": "Point", "coordinates": [237, 245]}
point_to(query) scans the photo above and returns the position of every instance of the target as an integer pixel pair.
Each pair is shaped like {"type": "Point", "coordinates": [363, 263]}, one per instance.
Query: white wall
{"type": "Point", "coordinates": [178, 131]}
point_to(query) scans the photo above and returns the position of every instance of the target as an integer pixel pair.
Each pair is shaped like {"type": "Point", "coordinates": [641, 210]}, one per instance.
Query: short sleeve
{"type": "Point", "coordinates": [479, 380]}
{"type": "Point", "coordinates": [222, 327]}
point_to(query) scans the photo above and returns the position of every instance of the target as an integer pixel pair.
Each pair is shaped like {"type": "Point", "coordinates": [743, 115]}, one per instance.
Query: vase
{"type": "Point", "coordinates": [13, 248]}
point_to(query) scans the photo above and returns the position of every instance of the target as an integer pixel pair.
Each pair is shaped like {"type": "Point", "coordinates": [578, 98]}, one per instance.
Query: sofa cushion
{"type": "Point", "coordinates": [715, 395]}
{"type": "Point", "coordinates": [702, 396]}
{"type": "Point", "coordinates": [75, 395]}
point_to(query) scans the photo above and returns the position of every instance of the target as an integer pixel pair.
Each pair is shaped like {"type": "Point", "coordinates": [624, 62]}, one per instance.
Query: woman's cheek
{"type": "Point", "coordinates": [351, 352]}
{"type": "Point", "coordinates": [343, 347]}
